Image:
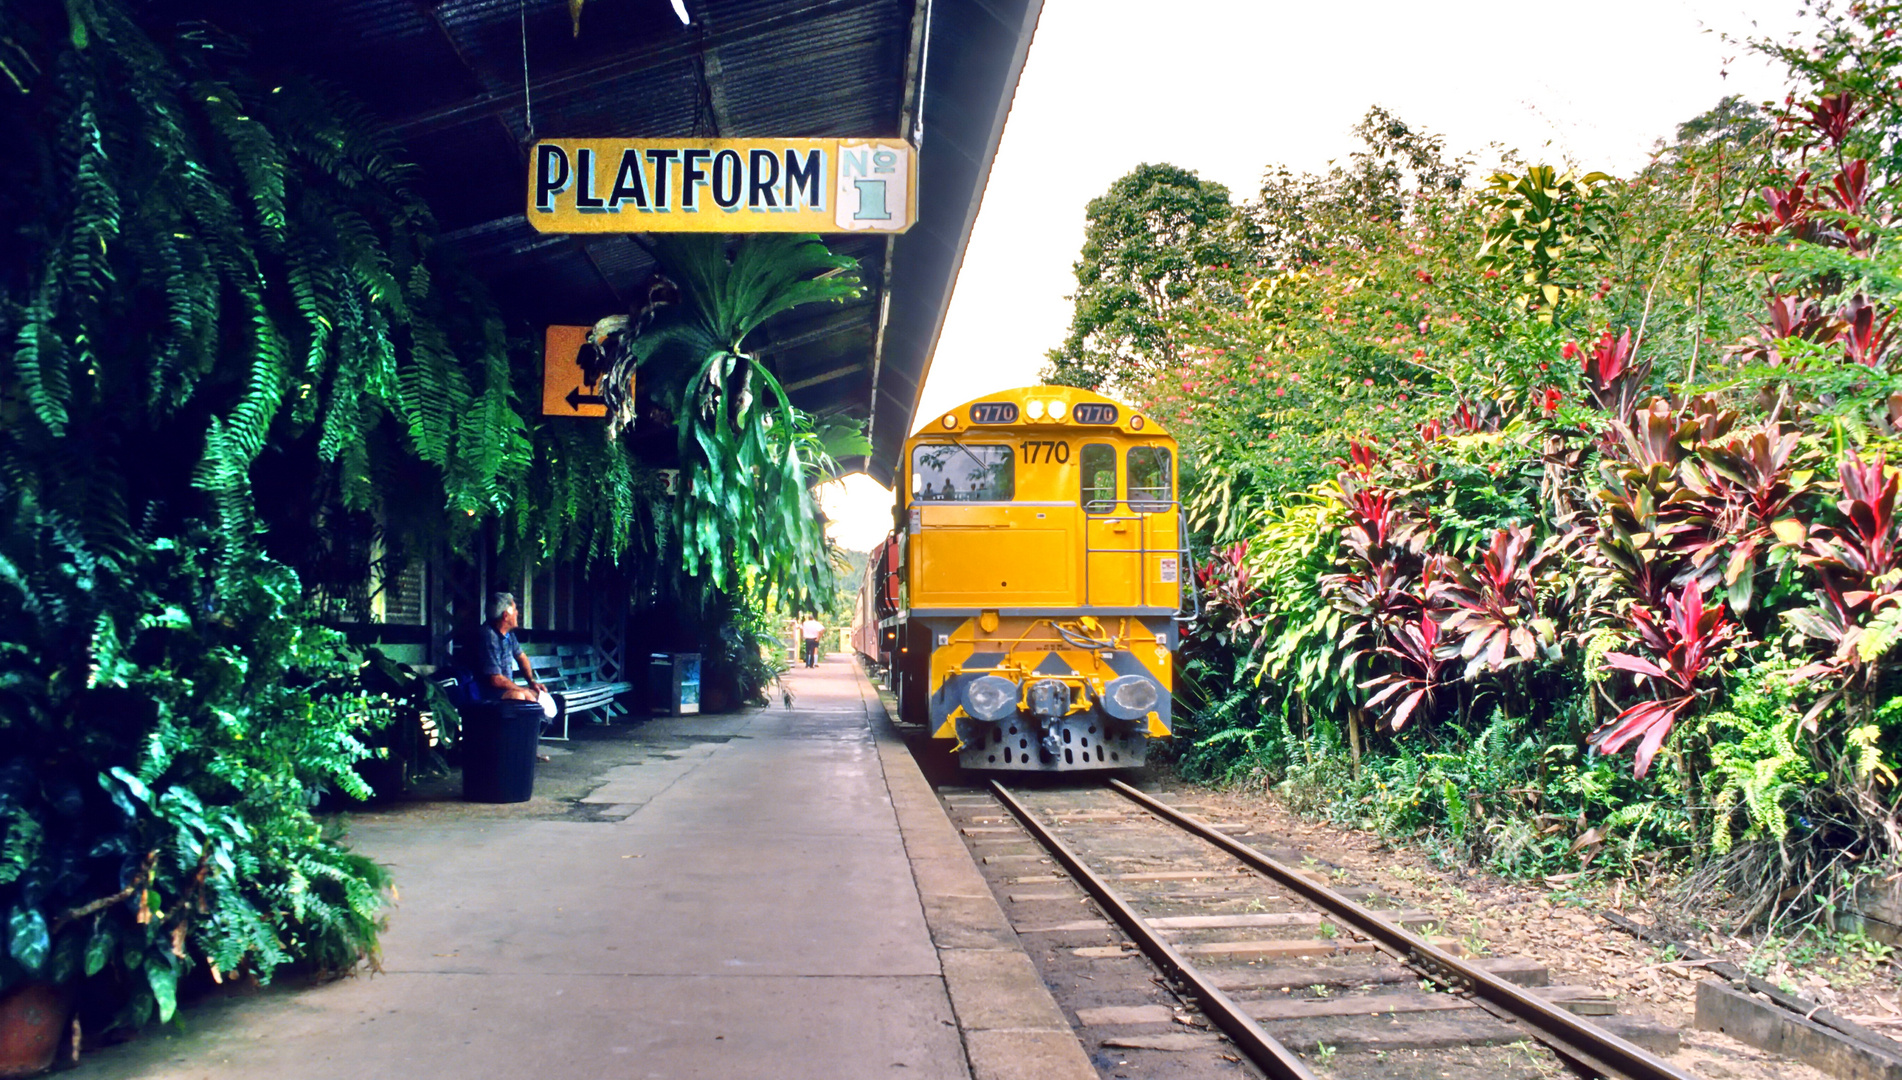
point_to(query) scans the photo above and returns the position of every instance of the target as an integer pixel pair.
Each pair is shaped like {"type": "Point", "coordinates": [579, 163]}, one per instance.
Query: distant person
{"type": "Point", "coordinates": [812, 630]}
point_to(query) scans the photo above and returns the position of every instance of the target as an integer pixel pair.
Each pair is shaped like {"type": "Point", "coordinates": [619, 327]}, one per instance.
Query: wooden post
{"type": "Point", "coordinates": [1353, 737]}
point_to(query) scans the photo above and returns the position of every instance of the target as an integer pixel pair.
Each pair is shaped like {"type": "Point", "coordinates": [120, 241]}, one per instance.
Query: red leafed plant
{"type": "Point", "coordinates": [1229, 587]}
{"type": "Point", "coordinates": [1789, 211]}
{"type": "Point", "coordinates": [1383, 544]}
{"type": "Point", "coordinates": [1857, 566]}
{"type": "Point", "coordinates": [1414, 647]}
{"type": "Point", "coordinates": [1832, 117]}
{"type": "Point", "coordinates": [1738, 503]}
{"type": "Point", "coordinates": [1792, 318]}
{"type": "Point", "coordinates": [1865, 341]}
{"type": "Point", "coordinates": [1687, 642]}
{"type": "Point", "coordinates": [1472, 418]}
{"type": "Point", "coordinates": [1361, 457]}
{"type": "Point", "coordinates": [1613, 376]}
{"type": "Point", "coordinates": [1494, 620]}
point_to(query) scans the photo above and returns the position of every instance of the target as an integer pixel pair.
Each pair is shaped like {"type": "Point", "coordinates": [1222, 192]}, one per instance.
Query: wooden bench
{"type": "Point", "coordinates": [572, 674]}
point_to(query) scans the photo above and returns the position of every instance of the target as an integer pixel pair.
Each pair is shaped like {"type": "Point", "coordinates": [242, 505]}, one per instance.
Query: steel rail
{"type": "Point", "coordinates": [1586, 1044]}
{"type": "Point", "coordinates": [1262, 1048]}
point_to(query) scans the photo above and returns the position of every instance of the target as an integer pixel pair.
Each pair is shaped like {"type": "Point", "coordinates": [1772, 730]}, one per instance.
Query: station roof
{"type": "Point", "coordinates": [447, 76]}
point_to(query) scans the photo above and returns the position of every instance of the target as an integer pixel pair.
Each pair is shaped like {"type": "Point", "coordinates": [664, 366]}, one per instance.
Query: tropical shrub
{"type": "Point", "coordinates": [1574, 465]}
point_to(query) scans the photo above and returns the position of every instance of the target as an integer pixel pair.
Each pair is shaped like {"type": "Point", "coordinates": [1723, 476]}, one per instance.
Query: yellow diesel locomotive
{"type": "Point", "coordinates": [1039, 575]}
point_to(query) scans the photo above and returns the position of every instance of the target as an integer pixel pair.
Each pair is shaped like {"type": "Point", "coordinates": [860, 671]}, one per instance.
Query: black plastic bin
{"type": "Point", "coordinates": [498, 751]}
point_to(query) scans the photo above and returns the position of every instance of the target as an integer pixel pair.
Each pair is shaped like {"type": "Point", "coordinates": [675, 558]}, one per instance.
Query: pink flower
{"type": "Point", "coordinates": [1367, 382]}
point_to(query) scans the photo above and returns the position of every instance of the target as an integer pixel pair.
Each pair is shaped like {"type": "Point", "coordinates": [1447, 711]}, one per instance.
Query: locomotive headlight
{"type": "Point", "coordinates": [950, 421]}
{"type": "Point", "coordinates": [1057, 409]}
{"type": "Point", "coordinates": [990, 697]}
{"type": "Point", "coordinates": [1130, 697]}
{"type": "Point", "coordinates": [1034, 410]}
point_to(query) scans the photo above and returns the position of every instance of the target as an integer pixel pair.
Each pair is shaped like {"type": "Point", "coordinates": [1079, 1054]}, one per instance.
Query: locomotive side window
{"type": "Point", "coordinates": [1099, 478]}
{"type": "Point", "coordinates": [1149, 479]}
{"type": "Point", "coordinates": [955, 472]}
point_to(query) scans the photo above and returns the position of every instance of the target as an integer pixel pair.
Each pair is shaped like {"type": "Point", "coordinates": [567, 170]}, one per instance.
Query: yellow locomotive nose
{"type": "Point", "coordinates": [1040, 579]}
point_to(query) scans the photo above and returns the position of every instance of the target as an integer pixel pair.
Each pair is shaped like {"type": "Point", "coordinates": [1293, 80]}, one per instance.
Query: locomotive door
{"type": "Point", "coordinates": [1112, 537]}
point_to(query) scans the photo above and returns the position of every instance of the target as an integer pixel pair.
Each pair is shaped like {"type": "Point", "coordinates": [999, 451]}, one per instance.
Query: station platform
{"type": "Point", "coordinates": [772, 894]}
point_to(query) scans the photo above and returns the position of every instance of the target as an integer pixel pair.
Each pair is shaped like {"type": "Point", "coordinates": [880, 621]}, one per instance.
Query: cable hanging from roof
{"type": "Point", "coordinates": [528, 108]}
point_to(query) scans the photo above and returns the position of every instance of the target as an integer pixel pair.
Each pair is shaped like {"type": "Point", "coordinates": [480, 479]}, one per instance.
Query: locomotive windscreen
{"type": "Point", "coordinates": [956, 472]}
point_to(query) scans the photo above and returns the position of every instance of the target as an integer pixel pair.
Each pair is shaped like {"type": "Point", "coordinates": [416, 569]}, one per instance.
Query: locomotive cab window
{"type": "Point", "coordinates": [1150, 479]}
{"type": "Point", "coordinates": [1099, 478]}
{"type": "Point", "coordinates": [958, 473]}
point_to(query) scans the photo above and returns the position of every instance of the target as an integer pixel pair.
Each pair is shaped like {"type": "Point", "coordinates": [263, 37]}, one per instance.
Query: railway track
{"type": "Point", "coordinates": [1182, 949]}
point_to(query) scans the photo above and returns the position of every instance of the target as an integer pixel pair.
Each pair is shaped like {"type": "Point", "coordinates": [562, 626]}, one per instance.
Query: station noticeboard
{"type": "Point", "coordinates": [722, 185]}
{"type": "Point", "coordinates": [566, 390]}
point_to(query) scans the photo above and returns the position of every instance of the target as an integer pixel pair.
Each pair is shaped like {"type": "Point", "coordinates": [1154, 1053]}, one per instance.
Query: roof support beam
{"type": "Point", "coordinates": [826, 377]}
{"type": "Point", "coordinates": [842, 322]}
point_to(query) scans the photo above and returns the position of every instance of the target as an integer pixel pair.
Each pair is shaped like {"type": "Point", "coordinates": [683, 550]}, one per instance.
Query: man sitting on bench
{"type": "Point", "coordinates": [497, 651]}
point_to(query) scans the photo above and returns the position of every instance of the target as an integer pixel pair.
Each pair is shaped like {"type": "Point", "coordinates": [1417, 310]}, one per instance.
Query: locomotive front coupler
{"type": "Point", "coordinates": [1049, 701]}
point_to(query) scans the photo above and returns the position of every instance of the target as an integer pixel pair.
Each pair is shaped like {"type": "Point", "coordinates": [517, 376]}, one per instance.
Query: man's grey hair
{"type": "Point", "coordinates": [499, 603]}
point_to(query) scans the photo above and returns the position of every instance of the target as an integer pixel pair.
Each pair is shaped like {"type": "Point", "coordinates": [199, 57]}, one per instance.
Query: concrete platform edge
{"type": "Point", "coordinates": [1010, 1024]}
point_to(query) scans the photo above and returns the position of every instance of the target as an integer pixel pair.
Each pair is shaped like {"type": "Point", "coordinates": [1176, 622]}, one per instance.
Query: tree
{"type": "Point", "coordinates": [1158, 241]}
{"type": "Point", "coordinates": [1302, 216]}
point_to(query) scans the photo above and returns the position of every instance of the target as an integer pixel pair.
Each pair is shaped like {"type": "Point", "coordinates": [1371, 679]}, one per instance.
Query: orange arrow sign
{"type": "Point", "coordinates": [566, 390]}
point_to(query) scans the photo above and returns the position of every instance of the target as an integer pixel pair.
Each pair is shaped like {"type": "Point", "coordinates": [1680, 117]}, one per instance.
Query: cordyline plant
{"type": "Point", "coordinates": [1228, 585]}
{"type": "Point", "coordinates": [1687, 643]}
{"type": "Point", "coordinates": [1739, 509]}
{"type": "Point", "coordinates": [1384, 546]}
{"type": "Point", "coordinates": [1492, 613]}
{"type": "Point", "coordinates": [1420, 671]}
{"type": "Point", "coordinates": [1612, 375]}
{"type": "Point", "coordinates": [1859, 567]}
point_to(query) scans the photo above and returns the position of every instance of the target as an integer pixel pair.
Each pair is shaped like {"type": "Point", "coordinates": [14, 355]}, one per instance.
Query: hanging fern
{"type": "Point", "coordinates": [745, 510]}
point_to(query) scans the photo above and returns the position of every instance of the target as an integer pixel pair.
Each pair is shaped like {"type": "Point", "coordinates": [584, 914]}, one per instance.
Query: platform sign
{"type": "Point", "coordinates": [722, 185]}
{"type": "Point", "coordinates": [566, 390]}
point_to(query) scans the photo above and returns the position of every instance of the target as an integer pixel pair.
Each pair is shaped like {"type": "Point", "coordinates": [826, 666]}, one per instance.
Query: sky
{"type": "Point", "coordinates": [1228, 88]}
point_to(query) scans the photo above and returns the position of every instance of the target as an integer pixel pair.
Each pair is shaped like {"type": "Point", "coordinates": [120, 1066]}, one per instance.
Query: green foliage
{"type": "Point", "coordinates": [156, 802]}
{"type": "Point", "coordinates": [1159, 242]}
{"type": "Point", "coordinates": [750, 459]}
{"type": "Point", "coordinates": [1759, 761]}
{"type": "Point", "coordinates": [1549, 230]}
{"type": "Point", "coordinates": [226, 318]}
{"type": "Point", "coordinates": [1586, 486]}
{"type": "Point", "coordinates": [231, 334]}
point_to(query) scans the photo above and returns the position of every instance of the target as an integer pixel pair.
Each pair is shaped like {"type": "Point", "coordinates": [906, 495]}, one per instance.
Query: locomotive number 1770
{"type": "Point", "coordinates": [1045, 450]}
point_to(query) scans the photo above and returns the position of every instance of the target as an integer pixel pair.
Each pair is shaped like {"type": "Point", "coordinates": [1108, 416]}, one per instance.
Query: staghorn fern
{"type": "Point", "coordinates": [745, 508]}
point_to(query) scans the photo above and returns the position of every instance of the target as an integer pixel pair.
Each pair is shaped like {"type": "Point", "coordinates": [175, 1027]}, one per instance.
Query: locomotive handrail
{"type": "Point", "coordinates": [1189, 603]}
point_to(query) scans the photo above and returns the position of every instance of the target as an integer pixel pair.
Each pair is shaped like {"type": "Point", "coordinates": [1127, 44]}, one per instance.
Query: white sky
{"type": "Point", "coordinates": [1229, 87]}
